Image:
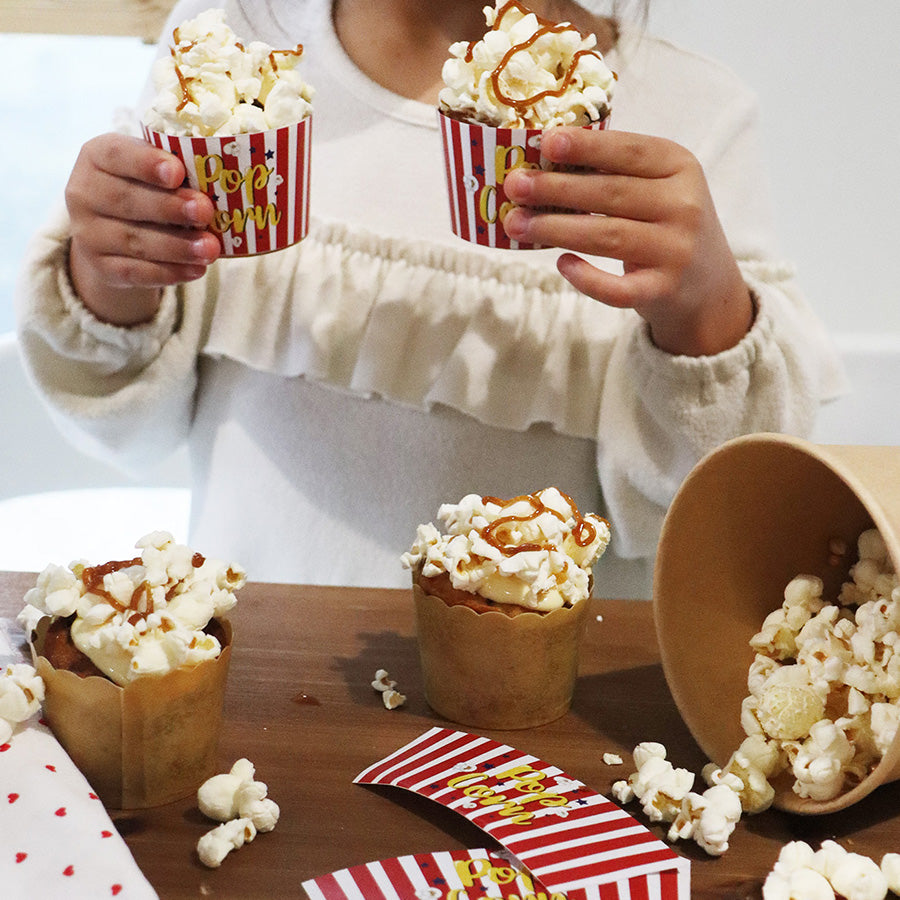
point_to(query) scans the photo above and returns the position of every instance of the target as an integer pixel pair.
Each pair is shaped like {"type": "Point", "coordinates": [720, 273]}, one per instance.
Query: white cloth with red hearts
{"type": "Point", "coordinates": [56, 838]}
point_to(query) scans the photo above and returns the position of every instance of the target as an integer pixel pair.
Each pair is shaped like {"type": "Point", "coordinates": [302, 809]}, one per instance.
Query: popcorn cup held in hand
{"type": "Point", "coordinates": [751, 516]}
{"type": "Point", "coordinates": [258, 182]}
{"type": "Point", "coordinates": [477, 160]}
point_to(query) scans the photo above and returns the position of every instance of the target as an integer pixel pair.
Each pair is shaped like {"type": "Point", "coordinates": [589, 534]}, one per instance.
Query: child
{"type": "Point", "coordinates": [334, 393]}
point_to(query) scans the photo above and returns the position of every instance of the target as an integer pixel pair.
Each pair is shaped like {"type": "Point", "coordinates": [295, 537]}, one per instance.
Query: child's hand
{"type": "Point", "coordinates": [653, 211]}
{"type": "Point", "coordinates": [134, 228]}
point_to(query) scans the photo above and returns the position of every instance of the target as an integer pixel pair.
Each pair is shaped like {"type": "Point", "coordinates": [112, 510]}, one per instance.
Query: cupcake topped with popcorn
{"type": "Point", "coordinates": [527, 72]}
{"type": "Point", "coordinates": [212, 85]}
{"type": "Point", "coordinates": [137, 617]}
{"type": "Point", "coordinates": [535, 551]}
{"type": "Point", "coordinates": [133, 657]}
{"type": "Point", "coordinates": [501, 599]}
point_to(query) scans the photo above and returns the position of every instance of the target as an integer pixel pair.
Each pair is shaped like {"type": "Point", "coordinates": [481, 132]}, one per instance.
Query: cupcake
{"type": "Point", "coordinates": [501, 599]}
{"type": "Point", "coordinates": [526, 74]}
{"type": "Point", "coordinates": [134, 657]}
{"type": "Point", "coordinates": [239, 117]}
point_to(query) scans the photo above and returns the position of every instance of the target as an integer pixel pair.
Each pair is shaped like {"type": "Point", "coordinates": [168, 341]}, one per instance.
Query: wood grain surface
{"type": "Point", "coordinates": [301, 707]}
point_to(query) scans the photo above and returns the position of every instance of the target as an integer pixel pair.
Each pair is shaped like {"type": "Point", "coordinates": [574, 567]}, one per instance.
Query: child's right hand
{"type": "Point", "coordinates": [134, 227]}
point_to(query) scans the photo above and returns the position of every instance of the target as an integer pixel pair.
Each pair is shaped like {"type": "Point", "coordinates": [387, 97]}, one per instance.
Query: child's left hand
{"type": "Point", "coordinates": [650, 207]}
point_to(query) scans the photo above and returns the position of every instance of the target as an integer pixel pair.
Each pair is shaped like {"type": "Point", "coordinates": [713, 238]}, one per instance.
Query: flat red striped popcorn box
{"type": "Point", "coordinates": [477, 159]}
{"type": "Point", "coordinates": [467, 875]}
{"type": "Point", "coordinates": [258, 182]}
{"type": "Point", "coordinates": [572, 839]}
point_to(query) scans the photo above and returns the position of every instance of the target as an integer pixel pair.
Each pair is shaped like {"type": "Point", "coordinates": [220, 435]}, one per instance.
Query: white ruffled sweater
{"type": "Point", "coordinates": [336, 393]}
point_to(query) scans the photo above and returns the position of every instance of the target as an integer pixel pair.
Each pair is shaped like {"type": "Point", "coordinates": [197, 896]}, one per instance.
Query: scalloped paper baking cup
{"type": "Point", "coordinates": [491, 670]}
{"type": "Point", "coordinates": [259, 183]}
{"type": "Point", "coordinates": [477, 159]}
{"type": "Point", "coordinates": [148, 743]}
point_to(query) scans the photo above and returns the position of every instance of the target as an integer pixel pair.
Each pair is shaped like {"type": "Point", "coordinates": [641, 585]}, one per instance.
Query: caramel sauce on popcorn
{"type": "Point", "coordinates": [92, 578]}
{"type": "Point", "coordinates": [499, 532]}
{"type": "Point", "coordinates": [546, 27]}
{"type": "Point", "coordinates": [297, 51]}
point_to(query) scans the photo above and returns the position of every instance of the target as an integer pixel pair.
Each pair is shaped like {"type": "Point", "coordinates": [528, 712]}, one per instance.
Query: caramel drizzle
{"type": "Point", "coordinates": [92, 578]}
{"type": "Point", "coordinates": [546, 27]}
{"type": "Point", "coordinates": [184, 81]}
{"type": "Point", "coordinates": [297, 51]}
{"type": "Point", "coordinates": [499, 532]}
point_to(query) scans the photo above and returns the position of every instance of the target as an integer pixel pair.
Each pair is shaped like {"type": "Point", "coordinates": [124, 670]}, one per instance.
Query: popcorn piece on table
{"type": "Point", "coordinates": [666, 796]}
{"type": "Point", "coordinates": [215, 845]}
{"type": "Point", "coordinates": [240, 803]}
{"type": "Point", "coordinates": [391, 697]}
{"type": "Point", "coordinates": [830, 871]}
{"type": "Point", "coordinates": [21, 693]}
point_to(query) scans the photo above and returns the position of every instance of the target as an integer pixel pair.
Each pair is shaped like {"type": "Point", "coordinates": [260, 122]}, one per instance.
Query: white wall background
{"type": "Point", "coordinates": [828, 76]}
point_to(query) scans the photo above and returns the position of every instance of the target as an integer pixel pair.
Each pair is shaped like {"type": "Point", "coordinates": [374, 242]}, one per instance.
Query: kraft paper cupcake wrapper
{"type": "Point", "coordinates": [147, 743]}
{"type": "Point", "coordinates": [258, 182]}
{"type": "Point", "coordinates": [491, 670]}
{"type": "Point", "coordinates": [750, 516]}
{"type": "Point", "coordinates": [570, 838]}
{"type": "Point", "coordinates": [477, 159]}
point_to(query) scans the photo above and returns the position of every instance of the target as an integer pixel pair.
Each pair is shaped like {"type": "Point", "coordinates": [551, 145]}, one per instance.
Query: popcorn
{"type": "Point", "coordinates": [481, 549]}
{"type": "Point", "coordinates": [527, 72]}
{"type": "Point", "coordinates": [383, 681]}
{"type": "Point", "coordinates": [666, 796]}
{"type": "Point", "coordinates": [240, 803]}
{"type": "Point", "coordinates": [391, 698]}
{"type": "Point", "coordinates": [612, 759]}
{"type": "Point", "coordinates": [824, 686]}
{"type": "Point", "coordinates": [143, 616]}
{"type": "Point", "coordinates": [215, 845]}
{"type": "Point", "coordinates": [235, 794]}
{"type": "Point", "coordinates": [890, 868]}
{"type": "Point", "coordinates": [803, 874]}
{"type": "Point", "coordinates": [21, 694]}
{"type": "Point", "coordinates": [212, 85]}
{"type": "Point", "coordinates": [709, 818]}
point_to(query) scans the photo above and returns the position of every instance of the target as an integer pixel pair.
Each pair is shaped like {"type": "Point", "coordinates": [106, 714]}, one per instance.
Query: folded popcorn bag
{"type": "Point", "coordinates": [526, 74]}
{"type": "Point", "coordinates": [134, 656]}
{"type": "Point", "coordinates": [501, 600]}
{"type": "Point", "coordinates": [783, 554]}
{"type": "Point", "coordinates": [240, 119]}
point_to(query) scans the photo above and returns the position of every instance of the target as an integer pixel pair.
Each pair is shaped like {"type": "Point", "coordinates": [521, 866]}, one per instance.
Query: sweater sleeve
{"type": "Point", "coordinates": [660, 414]}
{"type": "Point", "coordinates": [123, 395]}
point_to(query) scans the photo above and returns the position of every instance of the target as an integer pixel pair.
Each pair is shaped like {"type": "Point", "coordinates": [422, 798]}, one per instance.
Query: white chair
{"type": "Point", "coordinates": [56, 504]}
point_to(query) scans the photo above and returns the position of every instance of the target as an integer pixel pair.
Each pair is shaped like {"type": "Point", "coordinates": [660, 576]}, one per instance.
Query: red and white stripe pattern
{"type": "Point", "coordinates": [426, 876]}
{"type": "Point", "coordinates": [477, 159]}
{"type": "Point", "coordinates": [570, 837]}
{"type": "Point", "coordinates": [259, 183]}
{"type": "Point", "coordinates": [436, 876]}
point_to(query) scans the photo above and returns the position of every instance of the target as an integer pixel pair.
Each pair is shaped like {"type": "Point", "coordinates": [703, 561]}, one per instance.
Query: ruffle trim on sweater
{"type": "Point", "coordinates": [494, 336]}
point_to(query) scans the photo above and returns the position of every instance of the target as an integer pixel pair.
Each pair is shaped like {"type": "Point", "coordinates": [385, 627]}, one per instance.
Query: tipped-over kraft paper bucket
{"type": "Point", "coordinates": [752, 515]}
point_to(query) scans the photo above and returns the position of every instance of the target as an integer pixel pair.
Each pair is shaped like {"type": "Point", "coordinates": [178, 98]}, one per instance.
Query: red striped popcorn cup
{"type": "Point", "coordinates": [258, 182]}
{"type": "Point", "coordinates": [477, 159]}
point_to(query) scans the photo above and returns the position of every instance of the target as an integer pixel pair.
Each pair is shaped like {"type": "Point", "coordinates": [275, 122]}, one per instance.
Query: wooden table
{"type": "Point", "coordinates": [301, 707]}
